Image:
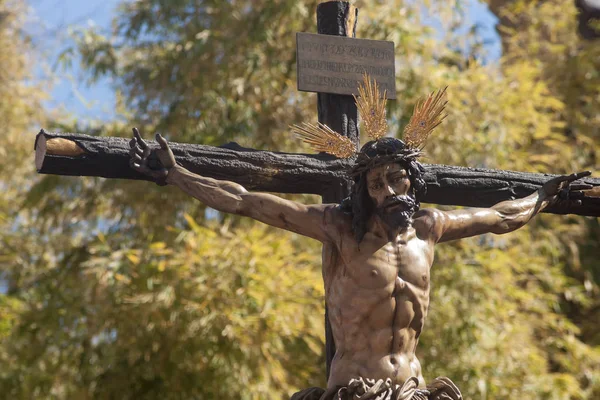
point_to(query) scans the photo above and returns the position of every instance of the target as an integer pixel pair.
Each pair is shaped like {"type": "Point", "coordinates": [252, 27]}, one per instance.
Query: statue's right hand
{"type": "Point", "coordinates": [155, 163]}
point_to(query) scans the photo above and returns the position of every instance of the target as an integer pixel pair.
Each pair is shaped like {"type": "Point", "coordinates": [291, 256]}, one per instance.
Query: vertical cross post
{"type": "Point", "coordinates": [339, 113]}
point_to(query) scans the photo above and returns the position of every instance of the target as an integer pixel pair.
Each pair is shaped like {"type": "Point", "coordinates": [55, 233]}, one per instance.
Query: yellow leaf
{"type": "Point", "coordinates": [191, 222]}
{"type": "Point", "coordinates": [122, 278]}
{"type": "Point", "coordinates": [158, 246]}
{"type": "Point", "coordinates": [133, 258]}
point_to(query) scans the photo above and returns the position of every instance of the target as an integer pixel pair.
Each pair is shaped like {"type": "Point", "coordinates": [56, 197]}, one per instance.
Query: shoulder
{"type": "Point", "coordinates": [335, 215]}
{"type": "Point", "coordinates": [334, 220]}
{"type": "Point", "coordinates": [428, 213]}
{"type": "Point", "coordinates": [429, 223]}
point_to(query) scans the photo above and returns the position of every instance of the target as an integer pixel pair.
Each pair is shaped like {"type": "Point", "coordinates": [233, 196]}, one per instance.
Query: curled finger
{"type": "Point", "coordinates": [136, 158]}
{"type": "Point", "coordinates": [136, 166]}
{"type": "Point", "coordinates": [139, 139]}
{"type": "Point", "coordinates": [583, 174]}
{"type": "Point", "coordinates": [581, 186]}
{"type": "Point", "coordinates": [141, 168]}
{"type": "Point", "coordinates": [135, 150]}
{"type": "Point", "coordinates": [578, 175]}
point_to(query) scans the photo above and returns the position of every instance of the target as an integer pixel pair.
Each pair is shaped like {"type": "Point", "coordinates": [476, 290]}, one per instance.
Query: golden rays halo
{"type": "Point", "coordinates": [322, 138]}
{"type": "Point", "coordinates": [426, 117]}
{"type": "Point", "coordinates": [371, 107]}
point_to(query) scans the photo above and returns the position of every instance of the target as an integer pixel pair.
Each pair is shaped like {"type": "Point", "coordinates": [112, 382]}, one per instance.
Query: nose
{"type": "Point", "coordinates": [389, 191]}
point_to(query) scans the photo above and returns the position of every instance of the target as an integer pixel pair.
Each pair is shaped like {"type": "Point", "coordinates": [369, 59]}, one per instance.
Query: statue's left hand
{"type": "Point", "coordinates": [562, 188]}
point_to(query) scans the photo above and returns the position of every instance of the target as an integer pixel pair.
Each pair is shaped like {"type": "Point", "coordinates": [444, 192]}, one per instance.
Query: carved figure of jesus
{"type": "Point", "coordinates": [379, 252]}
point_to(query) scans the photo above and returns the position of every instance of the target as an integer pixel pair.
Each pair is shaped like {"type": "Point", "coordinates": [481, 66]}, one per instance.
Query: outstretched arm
{"type": "Point", "coordinates": [504, 217]}
{"type": "Point", "coordinates": [226, 196]}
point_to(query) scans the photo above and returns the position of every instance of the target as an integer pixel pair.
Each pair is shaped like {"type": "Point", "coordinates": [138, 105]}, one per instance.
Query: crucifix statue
{"type": "Point", "coordinates": [378, 244]}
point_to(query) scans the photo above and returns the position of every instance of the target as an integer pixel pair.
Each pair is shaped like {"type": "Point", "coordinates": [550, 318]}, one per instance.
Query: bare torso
{"type": "Point", "coordinates": [377, 296]}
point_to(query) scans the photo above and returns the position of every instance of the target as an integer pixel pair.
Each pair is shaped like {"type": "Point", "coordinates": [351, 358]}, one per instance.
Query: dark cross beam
{"type": "Point", "coordinates": [108, 157]}
{"type": "Point", "coordinates": [75, 154]}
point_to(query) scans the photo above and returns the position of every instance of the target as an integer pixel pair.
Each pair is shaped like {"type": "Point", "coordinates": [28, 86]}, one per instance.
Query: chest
{"type": "Point", "coordinates": [377, 263]}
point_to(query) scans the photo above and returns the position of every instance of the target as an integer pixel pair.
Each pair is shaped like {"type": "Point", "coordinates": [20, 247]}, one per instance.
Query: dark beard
{"type": "Point", "coordinates": [400, 216]}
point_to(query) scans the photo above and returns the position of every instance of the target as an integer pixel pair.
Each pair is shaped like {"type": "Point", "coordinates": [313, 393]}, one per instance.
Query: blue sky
{"type": "Point", "coordinates": [48, 24]}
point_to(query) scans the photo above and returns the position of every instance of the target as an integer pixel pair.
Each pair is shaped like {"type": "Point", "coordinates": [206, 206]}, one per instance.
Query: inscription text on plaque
{"type": "Point", "coordinates": [336, 64]}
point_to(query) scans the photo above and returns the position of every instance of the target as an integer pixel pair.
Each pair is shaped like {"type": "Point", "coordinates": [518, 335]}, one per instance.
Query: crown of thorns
{"type": "Point", "coordinates": [364, 163]}
{"type": "Point", "coordinates": [427, 115]}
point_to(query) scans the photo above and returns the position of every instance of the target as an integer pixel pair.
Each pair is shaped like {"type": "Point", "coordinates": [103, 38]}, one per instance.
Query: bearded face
{"type": "Point", "coordinates": [388, 183]}
{"type": "Point", "coordinates": [389, 189]}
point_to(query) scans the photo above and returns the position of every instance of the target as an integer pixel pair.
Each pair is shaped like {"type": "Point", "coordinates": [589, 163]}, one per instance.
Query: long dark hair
{"type": "Point", "coordinates": [373, 154]}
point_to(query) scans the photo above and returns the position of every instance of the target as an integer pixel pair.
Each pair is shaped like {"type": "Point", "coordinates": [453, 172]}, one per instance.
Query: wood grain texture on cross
{"type": "Point", "coordinates": [82, 155]}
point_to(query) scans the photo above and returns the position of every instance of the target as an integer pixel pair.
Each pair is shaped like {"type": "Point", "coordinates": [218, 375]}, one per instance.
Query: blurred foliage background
{"type": "Point", "coordinates": [124, 290]}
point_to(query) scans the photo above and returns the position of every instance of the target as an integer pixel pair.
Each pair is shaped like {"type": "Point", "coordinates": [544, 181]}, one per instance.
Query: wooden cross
{"type": "Point", "coordinates": [322, 174]}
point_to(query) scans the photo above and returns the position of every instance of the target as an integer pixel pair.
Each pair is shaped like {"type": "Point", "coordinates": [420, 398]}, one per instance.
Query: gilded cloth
{"type": "Point", "coordinates": [370, 389]}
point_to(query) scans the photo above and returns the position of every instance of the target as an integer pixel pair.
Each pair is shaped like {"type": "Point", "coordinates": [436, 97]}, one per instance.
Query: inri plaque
{"type": "Point", "coordinates": [336, 64]}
